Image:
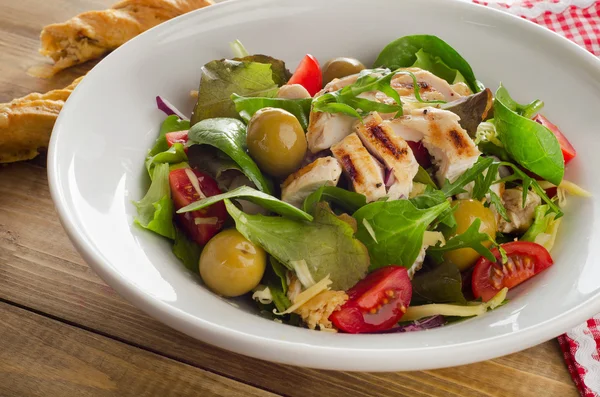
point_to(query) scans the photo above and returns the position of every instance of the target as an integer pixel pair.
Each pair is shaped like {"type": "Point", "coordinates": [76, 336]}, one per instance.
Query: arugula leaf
{"type": "Point", "coordinates": [483, 183]}
{"type": "Point", "coordinates": [221, 78]}
{"type": "Point", "coordinates": [399, 227]}
{"type": "Point", "coordinates": [326, 245]}
{"type": "Point", "coordinates": [456, 187]}
{"type": "Point", "coordinates": [257, 197]}
{"type": "Point", "coordinates": [155, 210]}
{"type": "Point", "coordinates": [246, 107]}
{"type": "Point", "coordinates": [171, 124]}
{"type": "Point", "coordinates": [403, 53]}
{"type": "Point", "coordinates": [443, 284]}
{"type": "Point", "coordinates": [229, 135]}
{"type": "Point", "coordinates": [530, 144]}
{"type": "Point", "coordinates": [497, 203]}
{"type": "Point", "coordinates": [423, 177]}
{"type": "Point", "coordinates": [349, 201]}
{"type": "Point", "coordinates": [432, 197]}
{"type": "Point", "coordinates": [471, 238]}
{"type": "Point", "coordinates": [174, 155]}
{"type": "Point", "coordinates": [187, 251]}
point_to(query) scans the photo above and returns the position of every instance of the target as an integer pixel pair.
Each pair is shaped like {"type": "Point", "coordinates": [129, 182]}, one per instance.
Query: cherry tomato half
{"type": "Point", "coordinates": [421, 154]}
{"type": "Point", "coordinates": [308, 74]}
{"type": "Point", "coordinates": [525, 260]}
{"type": "Point", "coordinates": [568, 150]}
{"type": "Point", "coordinates": [375, 303]}
{"type": "Point", "coordinates": [176, 137]}
{"type": "Point", "coordinates": [201, 225]}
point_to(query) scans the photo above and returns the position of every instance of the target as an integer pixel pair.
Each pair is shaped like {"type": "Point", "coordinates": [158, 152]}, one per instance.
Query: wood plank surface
{"type": "Point", "coordinates": [43, 357]}
{"type": "Point", "coordinates": [41, 271]}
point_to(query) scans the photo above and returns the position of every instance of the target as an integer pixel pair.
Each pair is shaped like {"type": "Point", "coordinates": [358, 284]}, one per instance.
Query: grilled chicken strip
{"type": "Point", "coordinates": [453, 150]}
{"type": "Point", "coordinates": [327, 129]}
{"type": "Point", "coordinates": [324, 171]}
{"type": "Point", "coordinates": [360, 167]}
{"type": "Point", "coordinates": [26, 123]}
{"type": "Point", "coordinates": [431, 87]}
{"type": "Point", "coordinates": [392, 150]}
{"type": "Point", "coordinates": [93, 34]}
{"type": "Point", "coordinates": [521, 217]}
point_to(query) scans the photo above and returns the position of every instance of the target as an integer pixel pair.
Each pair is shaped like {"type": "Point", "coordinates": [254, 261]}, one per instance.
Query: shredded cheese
{"type": "Point", "coordinates": [194, 181]}
{"type": "Point", "coordinates": [568, 187]}
{"type": "Point", "coordinates": [307, 295]}
{"type": "Point", "coordinates": [369, 229]}
{"type": "Point", "coordinates": [263, 295]}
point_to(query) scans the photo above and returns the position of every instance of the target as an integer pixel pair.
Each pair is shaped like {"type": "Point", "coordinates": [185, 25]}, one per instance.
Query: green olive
{"type": "Point", "coordinates": [230, 265]}
{"type": "Point", "coordinates": [337, 68]}
{"type": "Point", "coordinates": [466, 213]}
{"type": "Point", "coordinates": [276, 141]}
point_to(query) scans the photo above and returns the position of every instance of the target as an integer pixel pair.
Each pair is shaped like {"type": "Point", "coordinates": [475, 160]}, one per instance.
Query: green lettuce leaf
{"type": "Point", "coordinates": [246, 107]}
{"type": "Point", "coordinates": [257, 197]}
{"type": "Point", "coordinates": [398, 228]}
{"type": "Point", "coordinates": [187, 251]}
{"type": "Point", "coordinates": [403, 53]}
{"type": "Point", "coordinates": [349, 201]}
{"type": "Point", "coordinates": [155, 210]}
{"type": "Point", "coordinates": [443, 284]}
{"type": "Point", "coordinates": [280, 73]}
{"type": "Point", "coordinates": [530, 144]}
{"type": "Point", "coordinates": [541, 223]}
{"type": "Point", "coordinates": [222, 78]}
{"type": "Point", "coordinates": [436, 65]}
{"type": "Point", "coordinates": [174, 155]}
{"type": "Point", "coordinates": [171, 124]}
{"type": "Point", "coordinates": [229, 136]}
{"type": "Point", "coordinates": [326, 245]}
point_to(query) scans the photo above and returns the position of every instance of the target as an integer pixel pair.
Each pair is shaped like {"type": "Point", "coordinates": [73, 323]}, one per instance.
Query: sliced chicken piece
{"type": "Point", "coordinates": [521, 217]}
{"type": "Point", "coordinates": [360, 167]}
{"type": "Point", "coordinates": [453, 150]}
{"type": "Point", "coordinates": [324, 171]}
{"type": "Point", "coordinates": [392, 150]}
{"type": "Point", "coordinates": [431, 87]}
{"type": "Point", "coordinates": [327, 129]}
{"type": "Point", "coordinates": [462, 89]}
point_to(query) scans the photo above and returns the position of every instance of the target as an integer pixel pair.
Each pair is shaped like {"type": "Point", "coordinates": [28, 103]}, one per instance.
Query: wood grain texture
{"type": "Point", "coordinates": [43, 357]}
{"type": "Point", "coordinates": [40, 269]}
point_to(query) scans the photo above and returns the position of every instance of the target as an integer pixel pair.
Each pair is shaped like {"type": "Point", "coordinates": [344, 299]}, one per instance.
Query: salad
{"type": "Point", "coordinates": [340, 198]}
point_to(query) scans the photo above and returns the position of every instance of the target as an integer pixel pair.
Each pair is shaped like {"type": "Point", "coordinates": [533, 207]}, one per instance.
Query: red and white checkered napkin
{"type": "Point", "coordinates": [579, 21]}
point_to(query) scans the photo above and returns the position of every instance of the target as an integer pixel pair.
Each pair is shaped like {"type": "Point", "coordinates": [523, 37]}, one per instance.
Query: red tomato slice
{"type": "Point", "coordinates": [525, 260]}
{"type": "Point", "coordinates": [308, 74]}
{"type": "Point", "coordinates": [568, 150]}
{"type": "Point", "coordinates": [375, 303]}
{"type": "Point", "coordinates": [176, 137]}
{"type": "Point", "coordinates": [201, 225]}
{"type": "Point", "coordinates": [421, 154]}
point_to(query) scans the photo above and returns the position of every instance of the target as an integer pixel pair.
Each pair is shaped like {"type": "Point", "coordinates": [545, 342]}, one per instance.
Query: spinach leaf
{"type": "Point", "coordinates": [471, 238]}
{"type": "Point", "coordinates": [436, 65]}
{"type": "Point", "coordinates": [229, 136]}
{"type": "Point", "coordinates": [349, 201]}
{"type": "Point", "coordinates": [171, 124]}
{"type": "Point", "coordinates": [280, 270]}
{"type": "Point", "coordinates": [257, 197]}
{"type": "Point", "coordinates": [398, 227]}
{"type": "Point", "coordinates": [279, 72]}
{"type": "Point", "coordinates": [246, 107]}
{"type": "Point", "coordinates": [155, 210]}
{"type": "Point", "coordinates": [174, 155]}
{"type": "Point", "coordinates": [423, 177]}
{"type": "Point", "coordinates": [211, 160]}
{"type": "Point", "coordinates": [432, 197]}
{"type": "Point", "coordinates": [530, 144]}
{"type": "Point", "coordinates": [403, 53]}
{"type": "Point", "coordinates": [326, 245]}
{"type": "Point", "coordinates": [527, 111]}
{"type": "Point", "coordinates": [221, 78]}
{"type": "Point", "coordinates": [187, 251]}
{"type": "Point", "coordinates": [443, 284]}
{"type": "Point", "coordinates": [456, 187]}
{"type": "Point", "coordinates": [275, 279]}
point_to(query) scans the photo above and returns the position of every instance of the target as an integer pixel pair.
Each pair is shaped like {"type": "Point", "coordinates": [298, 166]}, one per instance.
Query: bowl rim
{"type": "Point", "coordinates": [286, 352]}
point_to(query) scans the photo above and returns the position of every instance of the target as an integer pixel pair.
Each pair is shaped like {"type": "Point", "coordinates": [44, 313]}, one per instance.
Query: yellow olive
{"type": "Point", "coordinates": [230, 265]}
{"type": "Point", "coordinates": [337, 68]}
{"type": "Point", "coordinates": [466, 213]}
{"type": "Point", "coordinates": [276, 141]}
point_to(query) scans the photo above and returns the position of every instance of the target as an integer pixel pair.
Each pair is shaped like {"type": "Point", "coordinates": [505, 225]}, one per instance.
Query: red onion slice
{"type": "Point", "coordinates": [168, 108]}
{"type": "Point", "coordinates": [389, 177]}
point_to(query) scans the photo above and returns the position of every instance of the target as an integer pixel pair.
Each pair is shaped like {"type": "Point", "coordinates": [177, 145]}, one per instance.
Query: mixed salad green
{"type": "Point", "coordinates": [391, 199]}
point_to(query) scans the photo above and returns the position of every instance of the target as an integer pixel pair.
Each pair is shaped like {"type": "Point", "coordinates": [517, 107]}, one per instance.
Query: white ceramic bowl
{"type": "Point", "coordinates": [102, 135]}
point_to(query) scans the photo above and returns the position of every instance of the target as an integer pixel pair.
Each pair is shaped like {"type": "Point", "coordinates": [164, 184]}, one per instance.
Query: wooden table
{"type": "Point", "coordinates": [64, 332]}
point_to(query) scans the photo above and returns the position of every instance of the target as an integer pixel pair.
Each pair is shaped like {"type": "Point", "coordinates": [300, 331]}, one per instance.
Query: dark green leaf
{"type": "Point", "coordinates": [398, 228]}
{"type": "Point", "coordinates": [211, 160]}
{"type": "Point", "coordinates": [155, 210]}
{"type": "Point", "coordinates": [497, 203]}
{"type": "Point", "coordinates": [432, 197]}
{"type": "Point", "coordinates": [326, 245]}
{"type": "Point", "coordinates": [246, 107]}
{"type": "Point", "coordinates": [456, 187]}
{"type": "Point", "coordinates": [171, 124]}
{"type": "Point", "coordinates": [257, 197]}
{"type": "Point", "coordinates": [443, 284]}
{"type": "Point", "coordinates": [436, 65]}
{"type": "Point", "coordinates": [483, 183]}
{"type": "Point", "coordinates": [530, 144]}
{"type": "Point", "coordinates": [280, 270]}
{"type": "Point", "coordinates": [222, 78]}
{"type": "Point", "coordinates": [424, 178]}
{"type": "Point", "coordinates": [229, 136]}
{"type": "Point", "coordinates": [471, 238]}
{"type": "Point", "coordinates": [349, 201]}
{"type": "Point", "coordinates": [187, 251]}
{"type": "Point", "coordinates": [403, 53]}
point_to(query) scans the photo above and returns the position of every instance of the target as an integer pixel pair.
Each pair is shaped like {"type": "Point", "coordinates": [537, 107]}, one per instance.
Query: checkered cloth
{"type": "Point", "coordinates": [579, 21]}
